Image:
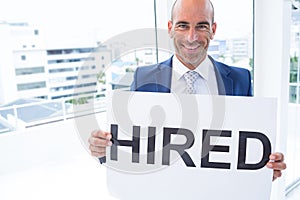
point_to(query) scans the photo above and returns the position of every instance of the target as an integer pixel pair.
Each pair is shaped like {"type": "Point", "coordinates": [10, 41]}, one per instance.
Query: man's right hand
{"type": "Point", "coordinates": [98, 141]}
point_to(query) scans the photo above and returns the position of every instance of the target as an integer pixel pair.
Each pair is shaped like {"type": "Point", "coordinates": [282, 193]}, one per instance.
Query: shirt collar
{"type": "Point", "coordinates": [180, 69]}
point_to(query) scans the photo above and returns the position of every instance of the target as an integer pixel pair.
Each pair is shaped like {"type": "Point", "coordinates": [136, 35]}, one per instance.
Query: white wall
{"type": "Point", "coordinates": [271, 65]}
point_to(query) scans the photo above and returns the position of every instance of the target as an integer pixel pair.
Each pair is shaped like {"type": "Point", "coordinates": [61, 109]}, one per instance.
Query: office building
{"type": "Point", "coordinates": [31, 69]}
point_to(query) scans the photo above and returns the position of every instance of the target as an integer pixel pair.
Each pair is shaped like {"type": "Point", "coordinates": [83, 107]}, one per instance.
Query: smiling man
{"type": "Point", "coordinates": [190, 70]}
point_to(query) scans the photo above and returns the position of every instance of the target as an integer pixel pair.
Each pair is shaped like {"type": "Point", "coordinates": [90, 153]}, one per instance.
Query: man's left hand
{"type": "Point", "coordinates": [276, 163]}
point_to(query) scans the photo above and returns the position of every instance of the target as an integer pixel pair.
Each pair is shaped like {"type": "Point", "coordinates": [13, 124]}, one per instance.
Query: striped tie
{"type": "Point", "coordinates": [190, 78]}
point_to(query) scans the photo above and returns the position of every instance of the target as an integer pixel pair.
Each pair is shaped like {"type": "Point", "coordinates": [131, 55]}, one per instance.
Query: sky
{"type": "Point", "coordinates": [108, 18]}
{"type": "Point", "coordinates": [64, 16]}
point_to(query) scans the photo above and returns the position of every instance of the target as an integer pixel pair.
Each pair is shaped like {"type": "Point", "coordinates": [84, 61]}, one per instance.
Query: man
{"type": "Point", "coordinates": [191, 70]}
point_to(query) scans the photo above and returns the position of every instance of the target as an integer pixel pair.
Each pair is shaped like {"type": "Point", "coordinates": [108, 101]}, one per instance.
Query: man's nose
{"type": "Point", "coordinates": [192, 35]}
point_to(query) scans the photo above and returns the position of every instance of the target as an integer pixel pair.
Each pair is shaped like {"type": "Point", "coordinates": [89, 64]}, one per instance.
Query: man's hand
{"type": "Point", "coordinates": [99, 140]}
{"type": "Point", "coordinates": [277, 164]}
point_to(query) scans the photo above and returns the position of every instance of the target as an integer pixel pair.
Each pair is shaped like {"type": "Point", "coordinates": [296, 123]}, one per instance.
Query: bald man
{"type": "Point", "coordinates": [191, 28]}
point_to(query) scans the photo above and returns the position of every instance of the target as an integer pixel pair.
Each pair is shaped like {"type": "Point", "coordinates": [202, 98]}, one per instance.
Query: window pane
{"type": "Point", "coordinates": [294, 56]}
{"type": "Point", "coordinates": [298, 95]}
{"type": "Point", "coordinates": [233, 37]}
{"type": "Point", "coordinates": [30, 86]}
{"type": "Point", "coordinates": [293, 69]}
{"type": "Point", "coordinates": [293, 94]}
{"type": "Point", "coordinates": [30, 70]}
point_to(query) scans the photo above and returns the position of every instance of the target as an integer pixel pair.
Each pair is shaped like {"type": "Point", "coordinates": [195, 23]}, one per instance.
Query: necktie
{"type": "Point", "coordinates": [190, 78]}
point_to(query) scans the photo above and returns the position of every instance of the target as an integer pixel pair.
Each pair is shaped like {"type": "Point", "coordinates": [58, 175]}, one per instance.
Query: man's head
{"type": "Point", "coordinates": [192, 27]}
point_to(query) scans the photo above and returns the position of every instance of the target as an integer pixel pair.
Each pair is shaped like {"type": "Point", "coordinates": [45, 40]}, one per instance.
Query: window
{"type": "Point", "coordinates": [294, 57]}
{"type": "Point", "coordinates": [71, 60]}
{"type": "Point", "coordinates": [56, 80]}
{"type": "Point", "coordinates": [30, 86]}
{"type": "Point", "coordinates": [30, 70]}
{"type": "Point", "coordinates": [298, 95]}
{"type": "Point", "coordinates": [70, 87]}
{"type": "Point", "coordinates": [61, 70]}
{"type": "Point", "coordinates": [42, 97]}
{"type": "Point", "coordinates": [69, 51]}
{"type": "Point", "coordinates": [54, 52]}
{"type": "Point", "coordinates": [89, 76]}
{"type": "Point", "coordinates": [293, 94]}
{"type": "Point", "coordinates": [23, 57]}
{"type": "Point", "coordinates": [292, 158]}
{"type": "Point", "coordinates": [71, 78]}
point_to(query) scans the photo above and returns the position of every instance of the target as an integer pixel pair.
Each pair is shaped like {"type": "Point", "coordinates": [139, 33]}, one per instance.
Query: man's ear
{"type": "Point", "coordinates": [170, 25]}
{"type": "Point", "coordinates": [213, 28]}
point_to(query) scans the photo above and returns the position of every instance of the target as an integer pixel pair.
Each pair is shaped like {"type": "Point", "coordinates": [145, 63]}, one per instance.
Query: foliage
{"type": "Point", "coordinates": [101, 77]}
{"type": "Point", "coordinates": [293, 69]}
{"type": "Point", "coordinates": [129, 70]}
{"type": "Point", "coordinates": [79, 101]}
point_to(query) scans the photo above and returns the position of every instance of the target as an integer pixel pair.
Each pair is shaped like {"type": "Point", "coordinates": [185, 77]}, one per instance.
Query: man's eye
{"type": "Point", "coordinates": [182, 26]}
{"type": "Point", "coordinates": [203, 27]}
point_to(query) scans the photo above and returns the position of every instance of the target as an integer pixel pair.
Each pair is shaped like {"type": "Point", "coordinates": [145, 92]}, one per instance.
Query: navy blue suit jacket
{"type": "Point", "coordinates": [157, 78]}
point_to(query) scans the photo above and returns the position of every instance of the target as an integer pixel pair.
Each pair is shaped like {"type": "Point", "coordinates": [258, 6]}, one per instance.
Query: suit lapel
{"type": "Point", "coordinates": [225, 83]}
{"type": "Point", "coordinates": [163, 77]}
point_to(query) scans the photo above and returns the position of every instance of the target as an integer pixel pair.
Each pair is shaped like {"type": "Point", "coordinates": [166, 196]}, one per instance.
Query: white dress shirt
{"type": "Point", "coordinates": [205, 84]}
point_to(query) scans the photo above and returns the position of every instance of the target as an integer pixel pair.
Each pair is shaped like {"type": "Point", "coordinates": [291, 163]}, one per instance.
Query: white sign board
{"type": "Point", "coordinates": [168, 146]}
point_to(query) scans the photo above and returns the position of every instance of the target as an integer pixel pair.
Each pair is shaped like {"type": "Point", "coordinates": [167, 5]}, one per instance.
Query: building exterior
{"type": "Point", "coordinates": [29, 61]}
{"type": "Point", "coordinates": [22, 54]}
{"type": "Point", "coordinates": [239, 48]}
{"type": "Point", "coordinates": [29, 69]}
{"type": "Point", "coordinates": [73, 72]}
{"type": "Point", "coordinates": [217, 48]}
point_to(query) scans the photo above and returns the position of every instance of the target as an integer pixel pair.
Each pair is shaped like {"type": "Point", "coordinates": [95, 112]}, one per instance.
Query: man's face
{"type": "Point", "coordinates": [191, 30]}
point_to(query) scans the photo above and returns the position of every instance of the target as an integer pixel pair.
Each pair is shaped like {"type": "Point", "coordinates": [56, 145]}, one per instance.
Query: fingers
{"type": "Point", "coordinates": [98, 141]}
{"type": "Point", "coordinates": [276, 174]}
{"type": "Point", "coordinates": [97, 151]}
{"type": "Point", "coordinates": [276, 157]}
{"type": "Point", "coordinates": [101, 134]}
{"type": "Point", "coordinates": [100, 138]}
{"type": "Point", "coordinates": [276, 161]}
{"type": "Point", "coordinates": [277, 164]}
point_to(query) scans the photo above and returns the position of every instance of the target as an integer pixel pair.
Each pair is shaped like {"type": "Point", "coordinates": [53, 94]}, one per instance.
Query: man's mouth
{"type": "Point", "coordinates": [191, 48]}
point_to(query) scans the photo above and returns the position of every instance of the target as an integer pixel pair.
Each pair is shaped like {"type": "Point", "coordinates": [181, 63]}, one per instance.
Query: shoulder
{"type": "Point", "coordinates": [147, 72]}
{"type": "Point", "coordinates": [153, 77]}
{"type": "Point", "coordinates": [146, 69]}
{"type": "Point", "coordinates": [236, 77]}
{"type": "Point", "coordinates": [167, 64]}
{"type": "Point", "coordinates": [234, 72]}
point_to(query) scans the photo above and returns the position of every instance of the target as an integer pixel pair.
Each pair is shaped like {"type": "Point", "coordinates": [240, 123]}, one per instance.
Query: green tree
{"type": "Point", "coordinates": [101, 77]}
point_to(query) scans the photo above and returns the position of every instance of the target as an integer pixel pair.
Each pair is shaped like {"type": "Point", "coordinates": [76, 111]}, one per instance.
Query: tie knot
{"type": "Point", "coordinates": [190, 77]}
